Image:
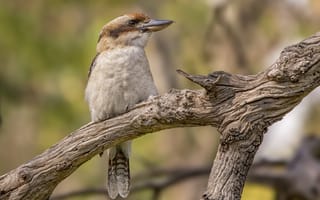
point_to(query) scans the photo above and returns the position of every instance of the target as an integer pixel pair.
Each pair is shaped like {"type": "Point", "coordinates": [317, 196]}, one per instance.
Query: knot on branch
{"type": "Point", "coordinates": [250, 135]}
{"type": "Point", "coordinates": [24, 175]}
{"type": "Point", "coordinates": [64, 165]}
{"type": "Point", "coordinates": [296, 60]}
{"type": "Point", "coordinates": [173, 107]}
{"type": "Point", "coordinates": [146, 119]}
{"type": "Point", "coordinates": [13, 180]}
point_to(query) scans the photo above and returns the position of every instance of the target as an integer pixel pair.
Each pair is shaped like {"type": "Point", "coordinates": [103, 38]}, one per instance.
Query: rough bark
{"type": "Point", "coordinates": [241, 107]}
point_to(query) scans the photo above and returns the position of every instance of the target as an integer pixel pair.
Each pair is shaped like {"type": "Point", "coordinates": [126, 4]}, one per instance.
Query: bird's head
{"type": "Point", "coordinates": [129, 30]}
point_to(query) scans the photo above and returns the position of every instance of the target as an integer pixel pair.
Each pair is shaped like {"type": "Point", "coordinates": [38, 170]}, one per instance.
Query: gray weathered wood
{"type": "Point", "coordinates": [241, 107]}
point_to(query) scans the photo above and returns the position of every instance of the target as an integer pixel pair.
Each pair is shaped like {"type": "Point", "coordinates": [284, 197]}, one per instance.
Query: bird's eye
{"type": "Point", "coordinates": [133, 22]}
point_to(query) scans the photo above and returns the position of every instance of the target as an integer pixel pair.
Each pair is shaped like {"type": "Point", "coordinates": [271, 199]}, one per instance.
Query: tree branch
{"type": "Point", "coordinates": [241, 107]}
{"type": "Point", "coordinates": [156, 180]}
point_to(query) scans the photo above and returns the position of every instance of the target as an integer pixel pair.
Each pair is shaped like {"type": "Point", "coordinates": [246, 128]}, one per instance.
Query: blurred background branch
{"type": "Point", "coordinates": [156, 180]}
{"type": "Point", "coordinates": [298, 178]}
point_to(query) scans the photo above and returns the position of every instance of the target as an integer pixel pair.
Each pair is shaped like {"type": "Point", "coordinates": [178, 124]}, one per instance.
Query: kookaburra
{"type": "Point", "coordinates": [119, 78]}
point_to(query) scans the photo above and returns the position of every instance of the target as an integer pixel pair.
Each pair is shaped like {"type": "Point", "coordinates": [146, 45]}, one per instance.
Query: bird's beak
{"type": "Point", "coordinates": [155, 25]}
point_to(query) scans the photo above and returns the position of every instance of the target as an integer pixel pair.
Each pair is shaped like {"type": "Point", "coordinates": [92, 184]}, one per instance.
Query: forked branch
{"type": "Point", "coordinates": [241, 107]}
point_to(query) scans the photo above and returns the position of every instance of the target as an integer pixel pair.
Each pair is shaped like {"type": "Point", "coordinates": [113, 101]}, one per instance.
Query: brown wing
{"type": "Point", "coordinates": [93, 64]}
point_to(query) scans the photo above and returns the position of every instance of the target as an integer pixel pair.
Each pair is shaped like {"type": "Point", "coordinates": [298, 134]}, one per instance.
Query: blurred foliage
{"type": "Point", "coordinates": [46, 48]}
{"type": "Point", "coordinates": [253, 191]}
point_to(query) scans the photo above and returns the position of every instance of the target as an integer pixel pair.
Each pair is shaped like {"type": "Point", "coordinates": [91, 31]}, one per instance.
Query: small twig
{"type": "Point", "coordinates": [207, 82]}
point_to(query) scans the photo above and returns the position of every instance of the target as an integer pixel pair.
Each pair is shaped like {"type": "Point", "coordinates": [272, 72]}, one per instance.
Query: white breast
{"type": "Point", "coordinates": [120, 79]}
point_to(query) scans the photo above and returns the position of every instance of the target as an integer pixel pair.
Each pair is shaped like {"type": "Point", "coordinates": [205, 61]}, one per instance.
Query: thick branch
{"type": "Point", "coordinates": [258, 102]}
{"type": "Point", "coordinates": [241, 107]}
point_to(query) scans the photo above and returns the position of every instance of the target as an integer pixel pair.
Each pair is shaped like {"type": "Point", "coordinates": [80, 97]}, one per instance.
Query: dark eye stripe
{"type": "Point", "coordinates": [133, 22]}
{"type": "Point", "coordinates": [116, 32]}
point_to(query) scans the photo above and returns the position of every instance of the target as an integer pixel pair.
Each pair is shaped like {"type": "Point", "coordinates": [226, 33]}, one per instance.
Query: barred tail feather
{"type": "Point", "coordinates": [118, 173]}
{"type": "Point", "coordinates": [112, 181]}
{"type": "Point", "coordinates": [123, 174]}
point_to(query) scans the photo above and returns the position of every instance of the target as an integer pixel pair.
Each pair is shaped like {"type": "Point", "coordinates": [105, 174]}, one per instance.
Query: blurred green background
{"type": "Point", "coordinates": [46, 48]}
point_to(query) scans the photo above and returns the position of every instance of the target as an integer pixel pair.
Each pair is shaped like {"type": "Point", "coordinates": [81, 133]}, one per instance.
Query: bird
{"type": "Point", "coordinates": [119, 77]}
